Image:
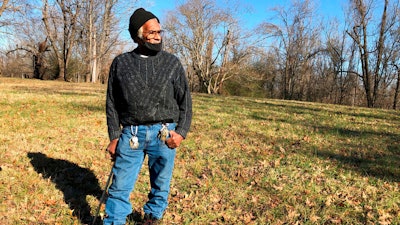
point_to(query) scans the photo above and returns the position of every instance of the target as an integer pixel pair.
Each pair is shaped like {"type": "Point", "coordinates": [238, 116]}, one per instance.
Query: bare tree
{"type": "Point", "coordinates": [340, 82]}
{"type": "Point", "coordinates": [104, 38]}
{"type": "Point", "coordinates": [3, 7]}
{"type": "Point", "coordinates": [62, 15]}
{"type": "Point", "coordinates": [397, 88]}
{"type": "Point", "coordinates": [372, 46]}
{"type": "Point", "coordinates": [81, 36]}
{"type": "Point", "coordinates": [205, 37]}
{"type": "Point", "coordinates": [27, 38]}
{"type": "Point", "coordinates": [8, 10]}
{"type": "Point", "coordinates": [99, 34]}
{"type": "Point", "coordinates": [297, 38]}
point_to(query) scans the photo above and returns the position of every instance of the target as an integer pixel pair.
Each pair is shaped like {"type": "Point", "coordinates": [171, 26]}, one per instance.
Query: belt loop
{"type": "Point", "coordinates": [136, 130]}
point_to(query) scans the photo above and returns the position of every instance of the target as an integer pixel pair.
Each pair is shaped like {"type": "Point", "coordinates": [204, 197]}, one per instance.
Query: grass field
{"type": "Point", "coordinates": [245, 161]}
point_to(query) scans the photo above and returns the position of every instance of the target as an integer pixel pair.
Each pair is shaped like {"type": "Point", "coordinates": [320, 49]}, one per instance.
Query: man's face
{"type": "Point", "coordinates": [152, 32]}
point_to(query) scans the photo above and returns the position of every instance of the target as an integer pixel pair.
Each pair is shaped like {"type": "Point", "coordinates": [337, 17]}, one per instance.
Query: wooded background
{"type": "Point", "coordinates": [296, 55]}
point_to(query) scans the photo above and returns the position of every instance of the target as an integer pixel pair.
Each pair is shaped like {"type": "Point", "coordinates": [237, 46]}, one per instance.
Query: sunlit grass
{"type": "Point", "coordinates": [245, 161]}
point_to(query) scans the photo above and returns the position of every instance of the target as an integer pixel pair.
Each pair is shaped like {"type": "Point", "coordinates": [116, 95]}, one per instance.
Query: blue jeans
{"type": "Point", "coordinates": [126, 169]}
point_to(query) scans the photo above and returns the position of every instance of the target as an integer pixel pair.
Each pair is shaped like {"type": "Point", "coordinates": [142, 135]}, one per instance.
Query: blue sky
{"type": "Point", "coordinates": [259, 9]}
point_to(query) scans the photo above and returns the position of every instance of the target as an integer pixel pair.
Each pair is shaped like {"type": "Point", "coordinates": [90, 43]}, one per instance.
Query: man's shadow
{"type": "Point", "coordinates": [74, 181]}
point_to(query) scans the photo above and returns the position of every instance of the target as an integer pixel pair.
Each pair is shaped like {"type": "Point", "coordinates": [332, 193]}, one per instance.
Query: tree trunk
{"type": "Point", "coordinates": [397, 90]}
{"type": "Point", "coordinates": [68, 15]}
{"type": "Point", "coordinates": [94, 61]}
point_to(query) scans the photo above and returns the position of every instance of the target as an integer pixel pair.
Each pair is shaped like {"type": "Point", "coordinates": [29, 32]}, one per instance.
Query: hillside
{"type": "Point", "coordinates": [245, 161]}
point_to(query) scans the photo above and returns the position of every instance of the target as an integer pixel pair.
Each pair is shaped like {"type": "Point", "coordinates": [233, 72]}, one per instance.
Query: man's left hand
{"type": "Point", "coordinates": [174, 139]}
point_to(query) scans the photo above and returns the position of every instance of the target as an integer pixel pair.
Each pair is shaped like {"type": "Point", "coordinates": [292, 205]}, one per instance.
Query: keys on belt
{"type": "Point", "coordinates": [163, 133]}
{"type": "Point", "coordinates": [134, 141]}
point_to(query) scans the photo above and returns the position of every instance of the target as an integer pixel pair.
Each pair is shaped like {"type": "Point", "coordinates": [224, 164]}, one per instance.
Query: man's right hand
{"type": "Point", "coordinates": [112, 146]}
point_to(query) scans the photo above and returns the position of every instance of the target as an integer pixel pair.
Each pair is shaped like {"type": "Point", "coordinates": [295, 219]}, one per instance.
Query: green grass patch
{"type": "Point", "coordinates": [245, 161]}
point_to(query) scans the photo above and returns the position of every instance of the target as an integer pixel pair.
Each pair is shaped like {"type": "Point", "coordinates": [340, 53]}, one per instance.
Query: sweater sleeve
{"type": "Point", "coordinates": [113, 125]}
{"type": "Point", "coordinates": [184, 100]}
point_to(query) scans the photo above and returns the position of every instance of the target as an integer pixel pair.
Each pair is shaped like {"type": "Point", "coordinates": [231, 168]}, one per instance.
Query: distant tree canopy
{"type": "Point", "coordinates": [295, 56]}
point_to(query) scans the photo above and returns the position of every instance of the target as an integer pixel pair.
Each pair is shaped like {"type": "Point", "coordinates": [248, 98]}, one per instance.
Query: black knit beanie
{"type": "Point", "coordinates": [138, 18]}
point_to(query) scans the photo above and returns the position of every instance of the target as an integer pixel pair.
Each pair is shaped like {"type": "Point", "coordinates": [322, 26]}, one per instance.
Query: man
{"type": "Point", "coordinates": [149, 112]}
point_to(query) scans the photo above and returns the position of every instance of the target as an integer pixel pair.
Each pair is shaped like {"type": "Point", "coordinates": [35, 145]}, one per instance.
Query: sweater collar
{"type": "Point", "coordinates": [145, 57]}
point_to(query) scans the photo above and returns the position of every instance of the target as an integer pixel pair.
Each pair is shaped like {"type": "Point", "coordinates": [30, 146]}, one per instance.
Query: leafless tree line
{"type": "Point", "coordinates": [68, 40]}
{"type": "Point", "coordinates": [296, 54]}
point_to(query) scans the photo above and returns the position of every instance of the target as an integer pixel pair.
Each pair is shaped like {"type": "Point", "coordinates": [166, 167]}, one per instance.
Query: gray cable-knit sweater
{"type": "Point", "coordinates": [147, 90]}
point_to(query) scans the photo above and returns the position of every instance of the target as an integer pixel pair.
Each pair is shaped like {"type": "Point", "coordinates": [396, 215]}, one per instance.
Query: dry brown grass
{"type": "Point", "coordinates": [245, 161]}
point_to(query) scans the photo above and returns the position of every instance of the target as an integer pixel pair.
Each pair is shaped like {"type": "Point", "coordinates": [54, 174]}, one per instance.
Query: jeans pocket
{"type": "Point", "coordinates": [171, 126]}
